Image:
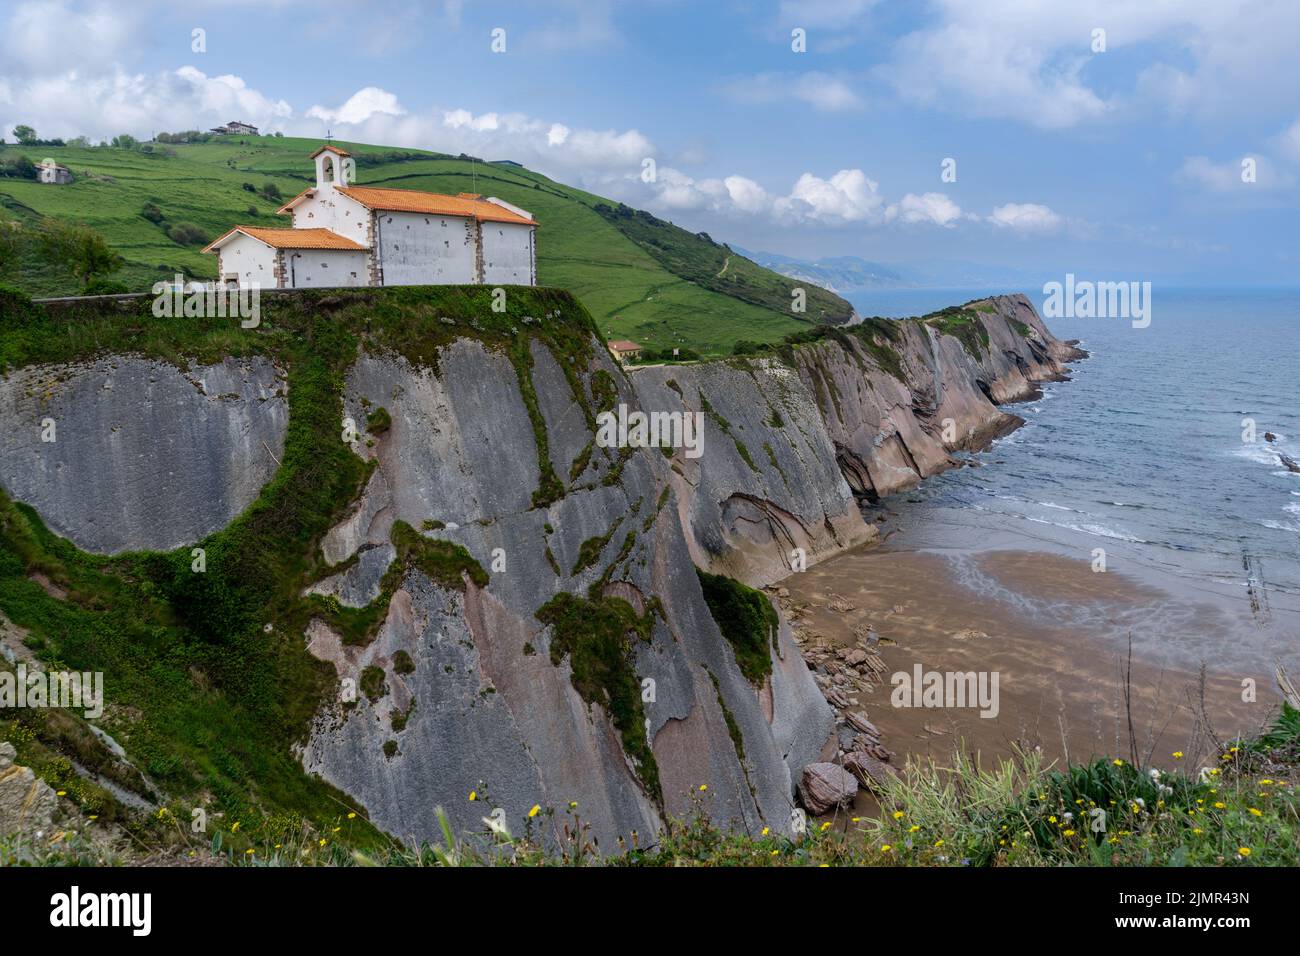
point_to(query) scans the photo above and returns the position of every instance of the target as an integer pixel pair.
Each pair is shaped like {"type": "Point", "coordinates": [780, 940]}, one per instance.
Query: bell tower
{"type": "Point", "coordinates": [334, 167]}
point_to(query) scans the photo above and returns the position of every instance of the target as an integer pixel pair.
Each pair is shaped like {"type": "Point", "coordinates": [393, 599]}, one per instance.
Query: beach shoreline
{"type": "Point", "coordinates": [1058, 680]}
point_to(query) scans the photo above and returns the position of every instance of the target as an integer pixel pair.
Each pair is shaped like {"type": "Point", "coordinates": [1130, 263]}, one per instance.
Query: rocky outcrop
{"type": "Point", "coordinates": [896, 397]}
{"type": "Point", "coordinates": [487, 703]}
{"type": "Point", "coordinates": [125, 454]}
{"type": "Point", "coordinates": [765, 488]}
{"type": "Point", "coordinates": [27, 804]}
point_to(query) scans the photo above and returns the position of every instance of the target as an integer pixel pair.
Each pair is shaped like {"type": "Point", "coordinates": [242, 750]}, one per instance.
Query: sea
{"type": "Point", "coordinates": [1153, 460]}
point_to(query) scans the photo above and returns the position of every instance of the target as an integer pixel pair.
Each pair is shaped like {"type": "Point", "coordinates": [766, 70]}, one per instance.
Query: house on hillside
{"type": "Point", "coordinates": [48, 171]}
{"type": "Point", "coordinates": [349, 235]}
{"type": "Point", "coordinates": [624, 351]}
{"type": "Point", "coordinates": [236, 128]}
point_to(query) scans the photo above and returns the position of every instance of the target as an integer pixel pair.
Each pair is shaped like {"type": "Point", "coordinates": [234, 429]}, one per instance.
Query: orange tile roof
{"type": "Point", "coordinates": [332, 149]}
{"type": "Point", "coordinates": [410, 200]}
{"type": "Point", "coordinates": [293, 238]}
{"type": "Point", "coordinates": [294, 201]}
{"type": "Point", "coordinates": [623, 345]}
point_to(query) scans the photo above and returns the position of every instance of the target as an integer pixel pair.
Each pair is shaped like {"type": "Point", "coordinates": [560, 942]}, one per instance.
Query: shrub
{"type": "Point", "coordinates": [187, 234]}
{"type": "Point", "coordinates": [99, 286]}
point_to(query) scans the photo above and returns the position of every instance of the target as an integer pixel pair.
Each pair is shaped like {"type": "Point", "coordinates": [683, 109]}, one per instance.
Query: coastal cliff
{"type": "Point", "coordinates": [492, 602]}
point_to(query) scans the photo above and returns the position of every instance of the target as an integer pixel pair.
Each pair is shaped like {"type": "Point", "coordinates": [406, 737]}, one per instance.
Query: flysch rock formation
{"type": "Point", "coordinates": [484, 708]}
{"type": "Point", "coordinates": [151, 457]}
{"type": "Point", "coordinates": [765, 484]}
{"type": "Point", "coordinates": [124, 453]}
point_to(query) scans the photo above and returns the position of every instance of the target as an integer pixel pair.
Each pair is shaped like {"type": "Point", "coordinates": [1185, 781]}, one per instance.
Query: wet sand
{"type": "Point", "coordinates": [1056, 634]}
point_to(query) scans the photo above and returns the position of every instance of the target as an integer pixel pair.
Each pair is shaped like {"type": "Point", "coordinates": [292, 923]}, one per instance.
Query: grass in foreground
{"type": "Point", "coordinates": [1243, 812]}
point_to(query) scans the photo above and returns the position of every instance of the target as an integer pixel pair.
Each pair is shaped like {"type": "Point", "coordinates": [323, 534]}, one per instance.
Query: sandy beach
{"type": "Point", "coordinates": [1060, 685]}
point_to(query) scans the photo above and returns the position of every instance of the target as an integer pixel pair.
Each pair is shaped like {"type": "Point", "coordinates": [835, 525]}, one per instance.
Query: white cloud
{"type": "Point", "coordinates": [1200, 172]}
{"type": "Point", "coordinates": [747, 195]}
{"type": "Point", "coordinates": [42, 38]}
{"type": "Point", "coordinates": [584, 156]}
{"type": "Point", "coordinates": [848, 196]}
{"type": "Point", "coordinates": [102, 105]}
{"type": "Point", "coordinates": [359, 107]}
{"type": "Point", "coordinates": [1026, 217]}
{"type": "Point", "coordinates": [934, 208]}
{"type": "Point", "coordinates": [819, 90]}
{"type": "Point", "coordinates": [1033, 62]}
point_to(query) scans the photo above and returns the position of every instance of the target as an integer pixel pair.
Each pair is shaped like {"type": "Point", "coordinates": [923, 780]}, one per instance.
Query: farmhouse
{"type": "Point", "coordinates": [624, 351]}
{"type": "Point", "coordinates": [48, 171]}
{"type": "Point", "coordinates": [235, 128]}
{"type": "Point", "coordinates": [349, 235]}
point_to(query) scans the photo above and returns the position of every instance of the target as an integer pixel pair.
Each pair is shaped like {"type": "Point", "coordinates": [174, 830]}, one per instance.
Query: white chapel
{"type": "Point", "coordinates": [349, 235]}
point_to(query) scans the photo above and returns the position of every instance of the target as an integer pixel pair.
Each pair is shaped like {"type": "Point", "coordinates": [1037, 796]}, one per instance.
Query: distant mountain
{"type": "Point", "coordinates": [837, 273]}
{"type": "Point", "coordinates": [843, 274]}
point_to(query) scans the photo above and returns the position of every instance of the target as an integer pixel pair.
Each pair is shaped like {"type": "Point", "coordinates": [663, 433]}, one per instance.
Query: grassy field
{"type": "Point", "coordinates": [639, 277]}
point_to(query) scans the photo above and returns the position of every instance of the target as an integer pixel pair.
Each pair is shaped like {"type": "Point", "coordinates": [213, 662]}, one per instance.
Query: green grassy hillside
{"type": "Point", "coordinates": [640, 277]}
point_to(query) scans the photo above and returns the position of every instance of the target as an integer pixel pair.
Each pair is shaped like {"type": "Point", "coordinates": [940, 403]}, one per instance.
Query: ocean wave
{"type": "Point", "coordinates": [1096, 530]}
{"type": "Point", "coordinates": [1280, 526]}
{"type": "Point", "coordinates": [1258, 452]}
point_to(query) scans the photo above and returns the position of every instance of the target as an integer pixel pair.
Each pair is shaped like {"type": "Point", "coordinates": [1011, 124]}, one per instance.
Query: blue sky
{"type": "Point", "coordinates": [1117, 163]}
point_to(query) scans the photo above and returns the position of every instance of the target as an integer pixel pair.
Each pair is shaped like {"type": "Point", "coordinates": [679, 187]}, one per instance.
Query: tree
{"type": "Point", "coordinates": [125, 141]}
{"type": "Point", "coordinates": [79, 249]}
{"type": "Point", "coordinates": [25, 135]}
{"type": "Point", "coordinates": [17, 167]}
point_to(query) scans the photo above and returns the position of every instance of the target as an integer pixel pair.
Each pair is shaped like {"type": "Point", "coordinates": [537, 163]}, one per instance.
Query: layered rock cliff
{"type": "Point", "coordinates": [508, 607]}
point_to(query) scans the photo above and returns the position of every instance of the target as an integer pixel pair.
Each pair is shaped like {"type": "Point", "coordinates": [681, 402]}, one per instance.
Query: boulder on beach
{"type": "Point", "coordinates": [826, 785]}
{"type": "Point", "coordinates": [868, 770]}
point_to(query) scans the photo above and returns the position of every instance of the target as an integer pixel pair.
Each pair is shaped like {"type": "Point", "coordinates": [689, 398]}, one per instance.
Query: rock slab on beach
{"type": "Point", "coordinates": [826, 785]}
